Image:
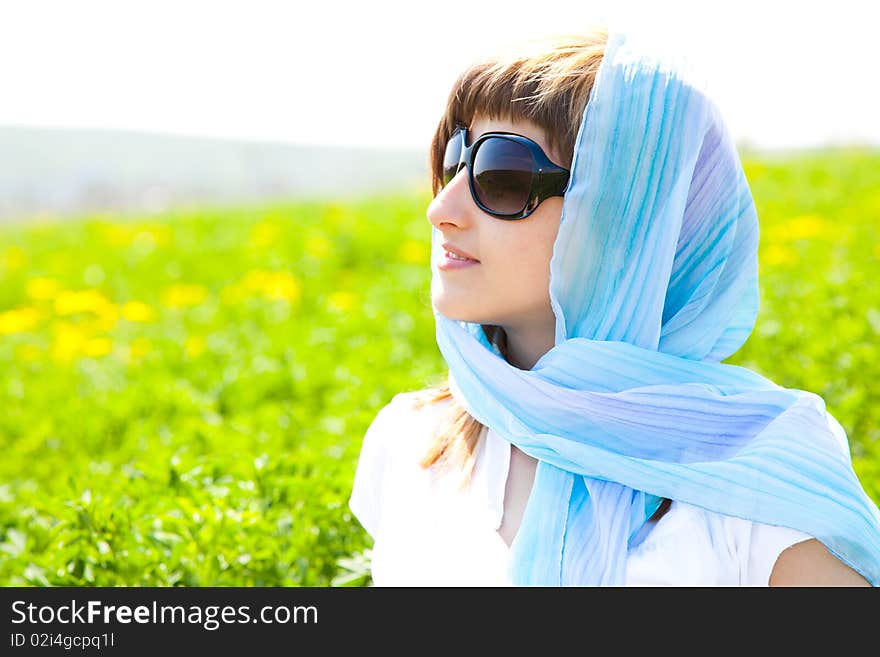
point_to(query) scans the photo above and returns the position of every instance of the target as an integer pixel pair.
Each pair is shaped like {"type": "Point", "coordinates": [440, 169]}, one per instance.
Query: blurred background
{"type": "Point", "coordinates": [214, 256]}
{"type": "Point", "coordinates": [144, 105]}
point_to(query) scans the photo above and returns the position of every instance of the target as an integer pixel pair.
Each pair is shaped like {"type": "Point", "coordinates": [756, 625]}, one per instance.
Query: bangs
{"type": "Point", "coordinates": [549, 86]}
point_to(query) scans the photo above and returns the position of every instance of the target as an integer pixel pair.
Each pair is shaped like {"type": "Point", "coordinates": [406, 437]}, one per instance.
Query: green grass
{"type": "Point", "coordinates": [182, 398]}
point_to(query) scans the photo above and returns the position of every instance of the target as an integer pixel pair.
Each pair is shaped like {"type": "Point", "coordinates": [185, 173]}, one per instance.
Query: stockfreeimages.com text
{"type": "Point", "coordinates": [210, 617]}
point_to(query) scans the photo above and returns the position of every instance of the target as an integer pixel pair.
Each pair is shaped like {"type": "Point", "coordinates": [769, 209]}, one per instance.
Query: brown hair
{"type": "Point", "coordinates": [548, 86]}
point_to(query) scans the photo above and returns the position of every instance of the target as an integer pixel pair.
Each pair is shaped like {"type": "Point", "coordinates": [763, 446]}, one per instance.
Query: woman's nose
{"type": "Point", "coordinates": [453, 204]}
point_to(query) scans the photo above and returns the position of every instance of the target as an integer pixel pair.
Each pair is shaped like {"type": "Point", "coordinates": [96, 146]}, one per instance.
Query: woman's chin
{"type": "Point", "coordinates": [455, 312]}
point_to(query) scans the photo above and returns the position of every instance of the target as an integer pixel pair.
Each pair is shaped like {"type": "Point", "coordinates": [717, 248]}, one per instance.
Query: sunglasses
{"type": "Point", "coordinates": [508, 174]}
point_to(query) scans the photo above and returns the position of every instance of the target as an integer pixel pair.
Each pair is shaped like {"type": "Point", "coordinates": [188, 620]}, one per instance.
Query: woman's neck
{"type": "Point", "coordinates": [526, 344]}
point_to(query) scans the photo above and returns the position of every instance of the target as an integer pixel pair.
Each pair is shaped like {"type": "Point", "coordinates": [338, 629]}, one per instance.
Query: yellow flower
{"type": "Point", "coordinates": [42, 288]}
{"type": "Point", "coordinates": [182, 294]}
{"type": "Point", "coordinates": [107, 316]}
{"type": "Point", "coordinates": [97, 347]}
{"type": "Point", "coordinates": [18, 320]}
{"type": "Point", "coordinates": [144, 236]}
{"type": "Point", "coordinates": [807, 227]}
{"type": "Point", "coordinates": [136, 311]}
{"type": "Point", "coordinates": [255, 280]}
{"type": "Point", "coordinates": [139, 348]}
{"type": "Point", "coordinates": [194, 346]}
{"type": "Point", "coordinates": [318, 246]}
{"type": "Point", "coordinates": [803, 227]}
{"type": "Point", "coordinates": [14, 257]}
{"type": "Point", "coordinates": [275, 285]}
{"type": "Point", "coordinates": [342, 300]}
{"type": "Point", "coordinates": [414, 252]}
{"type": "Point", "coordinates": [282, 286]}
{"type": "Point", "coordinates": [778, 254]}
{"type": "Point", "coordinates": [272, 284]}
{"type": "Point", "coordinates": [71, 302]}
{"type": "Point", "coordinates": [117, 234]}
{"type": "Point", "coordinates": [264, 234]}
{"type": "Point", "coordinates": [68, 340]}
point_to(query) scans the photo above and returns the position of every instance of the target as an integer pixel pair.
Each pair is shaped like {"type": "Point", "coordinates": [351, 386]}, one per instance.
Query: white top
{"type": "Point", "coordinates": [429, 532]}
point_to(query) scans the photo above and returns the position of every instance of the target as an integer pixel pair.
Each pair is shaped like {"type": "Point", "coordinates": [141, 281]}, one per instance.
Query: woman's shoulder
{"type": "Point", "coordinates": [749, 547]}
{"type": "Point", "coordinates": [739, 531]}
{"type": "Point", "coordinates": [408, 419]}
{"type": "Point", "coordinates": [424, 400]}
{"type": "Point", "coordinates": [424, 404]}
{"type": "Point", "coordinates": [391, 451]}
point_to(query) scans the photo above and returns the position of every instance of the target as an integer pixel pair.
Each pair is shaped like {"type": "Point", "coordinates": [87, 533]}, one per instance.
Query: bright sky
{"type": "Point", "coordinates": [378, 72]}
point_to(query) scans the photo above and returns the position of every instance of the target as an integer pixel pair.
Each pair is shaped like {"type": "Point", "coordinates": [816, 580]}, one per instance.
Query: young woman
{"type": "Point", "coordinates": [594, 261]}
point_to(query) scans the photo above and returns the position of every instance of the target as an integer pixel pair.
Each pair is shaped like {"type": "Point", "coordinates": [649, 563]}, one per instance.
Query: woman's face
{"type": "Point", "coordinates": [509, 286]}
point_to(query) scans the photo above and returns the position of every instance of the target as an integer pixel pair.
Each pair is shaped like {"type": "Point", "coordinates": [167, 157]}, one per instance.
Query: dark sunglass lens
{"type": "Point", "coordinates": [452, 157]}
{"type": "Point", "coordinates": [503, 172]}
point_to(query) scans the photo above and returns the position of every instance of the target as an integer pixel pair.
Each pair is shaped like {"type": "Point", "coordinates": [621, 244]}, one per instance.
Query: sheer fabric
{"type": "Point", "coordinates": [428, 531]}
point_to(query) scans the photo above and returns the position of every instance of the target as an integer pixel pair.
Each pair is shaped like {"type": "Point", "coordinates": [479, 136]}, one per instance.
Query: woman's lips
{"type": "Point", "coordinates": [447, 262]}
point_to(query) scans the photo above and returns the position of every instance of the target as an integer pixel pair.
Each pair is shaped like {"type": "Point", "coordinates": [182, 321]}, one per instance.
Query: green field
{"type": "Point", "coordinates": [182, 398]}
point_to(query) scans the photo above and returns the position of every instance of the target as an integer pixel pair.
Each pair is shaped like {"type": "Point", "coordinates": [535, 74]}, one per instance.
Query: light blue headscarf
{"type": "Point", "coordinates": [653, 281]}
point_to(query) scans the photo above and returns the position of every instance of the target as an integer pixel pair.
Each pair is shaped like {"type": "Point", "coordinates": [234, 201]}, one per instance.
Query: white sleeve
{"type": "Point", "coordinates": [766, 543]}
{"type": "Point", "coordinates": [366, 494]}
